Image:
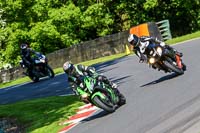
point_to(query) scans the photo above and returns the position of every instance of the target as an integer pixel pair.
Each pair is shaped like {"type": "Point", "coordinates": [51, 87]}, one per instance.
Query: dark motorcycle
{"type": "Point", "coordinates": [40, 68]}
{"type": "Point", "coordinates": [163, 59]}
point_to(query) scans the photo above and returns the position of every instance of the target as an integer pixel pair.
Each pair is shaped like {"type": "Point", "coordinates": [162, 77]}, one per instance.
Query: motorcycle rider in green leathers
{"type": "Point", "coordinates": [76, 72]}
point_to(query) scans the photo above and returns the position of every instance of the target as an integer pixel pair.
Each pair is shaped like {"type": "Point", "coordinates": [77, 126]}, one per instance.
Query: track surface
{"type": "Point", "coordinates": [157, 102]}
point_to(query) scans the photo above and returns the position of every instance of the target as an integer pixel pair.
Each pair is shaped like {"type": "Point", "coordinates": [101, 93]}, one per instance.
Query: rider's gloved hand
{"type": "Point", "coordinates": [162, 44]}
{"type": "Point", "coordinates": [114, 86]}
{"type": "Point", "coordinates": [142, 59]}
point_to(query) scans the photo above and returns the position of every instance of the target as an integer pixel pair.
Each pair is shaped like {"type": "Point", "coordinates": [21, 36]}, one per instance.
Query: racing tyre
{"type": "Point", "coordinates": [34, 78]}
{"type": "Point", "coordinates": [50, 72]}
{"type": "Point", "coordinates": [122, 100]}
{"type": "Point", "coordinates": [184, 67]}
{"type": "Point", "coordinates": [173, 67]}
{"type": "Point", "coordinates": [101, 104]}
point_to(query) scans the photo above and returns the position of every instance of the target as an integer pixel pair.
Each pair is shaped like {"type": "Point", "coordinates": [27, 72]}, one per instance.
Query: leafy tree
{"type": "Point", "coordinates": [49, 25]}
{"type": "Point", "coordinates": [67, 22]}
{"type": "Point", "coordinates": [12, 48]}
{"type": "Point", "coordinates": [97, 21]}
{"type": "Point", "coordinates": [182, 15]}
{"type": "Point", "coordinates": [44, 37]}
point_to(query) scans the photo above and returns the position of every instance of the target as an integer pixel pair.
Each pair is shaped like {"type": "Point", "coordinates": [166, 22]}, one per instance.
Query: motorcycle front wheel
{"type": "Point", "coordinates": [173, 67]}
{"type": "Point", "coordinates": [101, 104]}
{"type": "Point", "coordinates": [50, 71]}
{"type": "Point", "coordinates": [34, 78]}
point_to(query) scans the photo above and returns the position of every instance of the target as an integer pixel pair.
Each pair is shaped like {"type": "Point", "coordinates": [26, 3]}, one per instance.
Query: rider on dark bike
{"type": "Point", "coordinates": [26, 55]}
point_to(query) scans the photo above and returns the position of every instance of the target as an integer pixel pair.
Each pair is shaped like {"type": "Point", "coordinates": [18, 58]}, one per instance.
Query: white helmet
{"type": "Point", "coordinates": [68, 67]}
{"type": "Point", "coordinates": [133, 40]}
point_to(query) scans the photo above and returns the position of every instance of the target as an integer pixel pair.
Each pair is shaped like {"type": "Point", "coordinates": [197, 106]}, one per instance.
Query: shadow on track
{"type": "Point", "coordinates": [99, 66]}
{"type": "Point", "coordinates": [100, 114]}
{"type": "Point", "coordinates": [120, 80]}
{"type": "Point", "coordinates": [164, 78]}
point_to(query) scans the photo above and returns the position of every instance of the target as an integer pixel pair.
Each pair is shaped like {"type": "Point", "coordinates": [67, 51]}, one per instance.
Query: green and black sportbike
{"type": "Point", "coordinates": [101, 95]}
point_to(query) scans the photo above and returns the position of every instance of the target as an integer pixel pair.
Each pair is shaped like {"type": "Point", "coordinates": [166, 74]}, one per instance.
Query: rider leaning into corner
{"type": "Point", "coordinates": [26, 53]}
{"type": "Point", "coordinates": [75, 72]}
{"type": "Point", "coordinates": [140, 44]}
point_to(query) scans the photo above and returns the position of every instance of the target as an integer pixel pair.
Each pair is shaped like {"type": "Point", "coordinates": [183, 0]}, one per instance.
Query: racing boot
{"type": "Point", "coordinates": [178, 61]}
{"type": "Point", "coordinates": [84, 98]}
{"type": "Point", "coordinates": [178, 53]}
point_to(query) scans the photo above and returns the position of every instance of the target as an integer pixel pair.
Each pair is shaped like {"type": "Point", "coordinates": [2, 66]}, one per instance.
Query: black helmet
{"type": "Point", "coordinates": [133, 40]}
{"type": "Point", "coordinates": [24, 46]}
{"type": "Point", "coordinates": [68, 67]}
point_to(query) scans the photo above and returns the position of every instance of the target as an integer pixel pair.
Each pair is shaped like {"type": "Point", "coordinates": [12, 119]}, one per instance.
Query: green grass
{"type": "Point", "coordinates": [42, 115]}
{"type": "Point", "coordinates": [15, 82]}
{"type": "Point", "coordinates": [184, 38]}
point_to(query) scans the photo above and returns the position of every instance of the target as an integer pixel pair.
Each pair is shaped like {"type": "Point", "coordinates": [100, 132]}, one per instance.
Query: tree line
{"type": "Point", "coordinates": [49, 25]}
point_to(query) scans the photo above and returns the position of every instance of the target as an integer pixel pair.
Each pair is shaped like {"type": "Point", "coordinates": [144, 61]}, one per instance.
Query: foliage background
{"type": "Point", "coordinates": [49, 25]}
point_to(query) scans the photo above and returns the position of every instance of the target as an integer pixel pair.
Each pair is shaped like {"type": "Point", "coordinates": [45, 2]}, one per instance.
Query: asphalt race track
{"type": "Point", "coordinates": [157, 102]}
{"type": "Point", "coordinates": [46, 87]}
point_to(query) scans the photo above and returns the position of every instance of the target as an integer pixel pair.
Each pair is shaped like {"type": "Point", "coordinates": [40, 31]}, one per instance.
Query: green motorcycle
{"type": "Point", "coordinates": [101, 95]}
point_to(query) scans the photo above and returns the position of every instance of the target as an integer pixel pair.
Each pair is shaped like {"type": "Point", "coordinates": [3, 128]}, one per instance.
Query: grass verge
{"type": "Point", "coordinates": [184, 38]}
{"type": "Point", "coordinates": [42, 115]}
